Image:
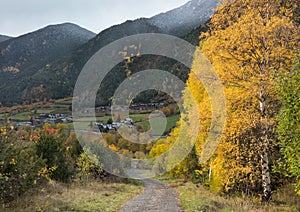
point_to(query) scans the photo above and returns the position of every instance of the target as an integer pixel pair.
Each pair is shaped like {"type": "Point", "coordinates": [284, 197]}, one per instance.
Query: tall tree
{"type": "Point", "coordinates": [250, 43]}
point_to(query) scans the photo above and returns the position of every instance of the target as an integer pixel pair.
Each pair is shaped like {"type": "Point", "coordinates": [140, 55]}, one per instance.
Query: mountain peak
{"type": "Point", "coordinates": [65, 37]}
{"type": "Point", "coordinates": [24, 56]}
{"type": "Point", "coordinates": [185, 18]}
{"type": "Point", "coordinates": [67, 28]}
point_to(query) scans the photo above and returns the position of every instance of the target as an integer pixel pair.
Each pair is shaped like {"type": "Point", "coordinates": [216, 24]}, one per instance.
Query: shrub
{"type": "Point", "coordinates": [88, 167]}
{"type": "Point", "coordinates": [52, 149]}
{"type": "Point", "coordinates": [20, 167]}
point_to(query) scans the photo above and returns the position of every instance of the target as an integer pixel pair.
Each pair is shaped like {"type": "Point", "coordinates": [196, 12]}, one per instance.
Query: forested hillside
{"type": "Point", "coordinates": [45, 64]}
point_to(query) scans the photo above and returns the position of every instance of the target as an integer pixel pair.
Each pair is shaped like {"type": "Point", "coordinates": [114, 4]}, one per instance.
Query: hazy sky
{"type": "Point", "coordinates": [21, 16]}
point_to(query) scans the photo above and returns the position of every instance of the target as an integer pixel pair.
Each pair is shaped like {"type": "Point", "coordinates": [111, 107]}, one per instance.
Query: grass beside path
{"type": "Point", "coordinates": [92, 196]}
{"type": "Point", "coordinates": [198, 198]}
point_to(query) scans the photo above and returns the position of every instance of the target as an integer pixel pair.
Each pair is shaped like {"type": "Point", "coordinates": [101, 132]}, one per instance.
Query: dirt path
{"type": "Point", "coordinates": [157, 196]}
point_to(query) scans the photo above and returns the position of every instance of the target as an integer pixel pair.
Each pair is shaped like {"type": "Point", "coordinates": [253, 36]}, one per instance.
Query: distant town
{"type": "Point", "coordinates": [114, 126]}
{"type": "Point", "coordinates": [53, 118]}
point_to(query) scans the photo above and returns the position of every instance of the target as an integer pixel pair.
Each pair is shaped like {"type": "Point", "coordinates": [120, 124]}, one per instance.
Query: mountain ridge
{"type": "Point", "coordinates": [182, 19]}
{"type": "Point", "coordinates": [49, 38]}
{"type": "Point", "coordinates": [57, 78]}
{"type": "Point", "coordinates": [4, 38]}
{"type": "Point", "coordinates": [23, 56]}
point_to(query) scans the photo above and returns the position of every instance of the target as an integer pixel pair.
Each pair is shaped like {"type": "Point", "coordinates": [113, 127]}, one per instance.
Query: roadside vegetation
{"type": "Point", "coordinates": [46, 170]}
{"type": "Point", "coordinates": [198, 198]}
{"type": "Point", "coordinates": [76, 196]}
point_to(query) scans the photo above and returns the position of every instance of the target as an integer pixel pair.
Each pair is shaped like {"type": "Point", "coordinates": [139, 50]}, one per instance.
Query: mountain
{"type": "Point", "coordinates": [182, 20]}
{"type": "Point", "coordinates": [39, 79]}
{"type": "Point", "coordinates": [59, 78]}
{"type": "Point", "coordinates": [22, 57]}
{"type": "Point", "coordinates": [42, 46]}
{"type": "Point", "coordinates": [4, 38]}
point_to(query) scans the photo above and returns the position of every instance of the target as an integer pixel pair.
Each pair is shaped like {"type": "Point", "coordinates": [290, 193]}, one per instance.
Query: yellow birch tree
{"type": "Point", "coordinates": [250, 42]}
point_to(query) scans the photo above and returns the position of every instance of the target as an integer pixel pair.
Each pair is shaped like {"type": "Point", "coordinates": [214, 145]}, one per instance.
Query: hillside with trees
{"type": "Point", "coordinates": [45, 64]}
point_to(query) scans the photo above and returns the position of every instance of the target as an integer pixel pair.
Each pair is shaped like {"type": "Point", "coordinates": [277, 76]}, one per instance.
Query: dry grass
{"type": "Point", "coordinates": [198, 198]}
{"type": "Point", "coordinates": [75, 197]}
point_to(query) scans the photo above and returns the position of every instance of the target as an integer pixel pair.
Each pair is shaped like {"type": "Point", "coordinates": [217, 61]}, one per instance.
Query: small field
{"type": "Point", "coordinates": [143, 120]}
{"type": "Point", "coordinates": [25, 116]}
{"type": "Point", "coordinates": [92, 196]}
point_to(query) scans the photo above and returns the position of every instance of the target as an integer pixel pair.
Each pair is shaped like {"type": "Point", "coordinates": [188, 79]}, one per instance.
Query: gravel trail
{"type": "Point", "coordinates": [157, 196]}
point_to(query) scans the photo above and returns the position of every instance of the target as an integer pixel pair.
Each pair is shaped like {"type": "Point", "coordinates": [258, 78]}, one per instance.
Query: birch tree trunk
{"type": "Point", "coordinates": [266, 180]}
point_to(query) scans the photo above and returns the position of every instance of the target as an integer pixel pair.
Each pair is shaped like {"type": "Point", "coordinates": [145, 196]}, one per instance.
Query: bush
{"type": "Point", "coordinates": [88, 167]}
{"type": "Point", "coordinates": [20, 167]}
{"type": "Point", "coordinates": [109, 158]}
{"type": "Point", "coordinates": [52, 149]}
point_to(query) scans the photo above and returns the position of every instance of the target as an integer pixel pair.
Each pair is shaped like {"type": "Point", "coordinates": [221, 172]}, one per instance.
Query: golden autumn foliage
{"type": "Point", "coordinates": [175, 154]}
{"type": "Point", "coordinates": [250, 43]}
{"type": "Point", "coordinates": [114, 147]}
